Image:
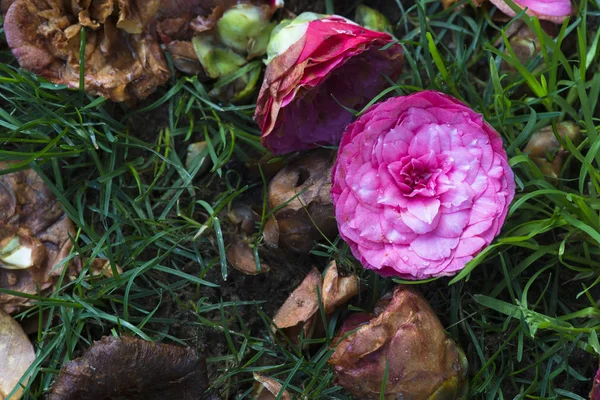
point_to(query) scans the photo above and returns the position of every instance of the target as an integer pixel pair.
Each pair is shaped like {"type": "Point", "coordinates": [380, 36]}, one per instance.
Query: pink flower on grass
{"type": "Point", "coordinates": [550, 10]}
{"type": "Point", "coordinates": [421, 184]}
{"type": "Point", "coordinates": [315, 64]}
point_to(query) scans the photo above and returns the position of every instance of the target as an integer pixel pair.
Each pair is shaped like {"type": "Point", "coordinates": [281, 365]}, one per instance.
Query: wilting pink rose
{"type": "Point", "coordinates": [315, 64]}
{"type": "Point", "coordinates": [550, 10]}
{"type": "Point", "coordinates": [595, 393]}
{"type": "Point", "coordinates": [421, 184]}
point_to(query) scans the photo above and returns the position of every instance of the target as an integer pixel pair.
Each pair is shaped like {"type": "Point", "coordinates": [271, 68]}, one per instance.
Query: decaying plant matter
{"type": "Point", "coordinates": [300, 197]}
{"type": "Point", "coordinates": [405, 337]}
{"type": "Point", "coordinates": [299, 312]}
{"type": "Point", "coordinates": [16, 355]}
{"type": "Point", "coordinates": [127, 367]}
{"type": "Point", "coordinates": [34, 237]}
{"type": "Point", "coordinates": [122, 59]}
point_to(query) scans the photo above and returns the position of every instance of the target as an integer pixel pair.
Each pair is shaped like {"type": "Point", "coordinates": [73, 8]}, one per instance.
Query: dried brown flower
{"type": "Point", "coordinates": [406, 337]}
{"type": "Point", "coordinates": [266, 388]}
{"type": "Point", "coordinates": [122, 61]}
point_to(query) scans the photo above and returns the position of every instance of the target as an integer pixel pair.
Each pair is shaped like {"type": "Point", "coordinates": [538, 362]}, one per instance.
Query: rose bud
{"type": "Point", "coordinates": [300, 197]}
{"type": "Point", "coordinates": [35, 238]}
{"type": "Point", "coordinates": [404, 340]}
{"type": "Point", "coordinates": [123, 60]}
{"type": "Point", "coordinates": [545, 150]}
{"type": "Point", "coordinates": [372, 19]}
{"type": "Point", "coordinates": [550, 10]}
{"type": "Point", "coordinates": [316, 66]}
{"type": "Point", "coordinates": [421, 185]}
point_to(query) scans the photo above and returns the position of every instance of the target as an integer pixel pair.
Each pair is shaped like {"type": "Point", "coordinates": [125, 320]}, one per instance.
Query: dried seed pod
{"type": "Point", "coordinates": [546, 151]}
{"type": "Point", "coordinates": [127, 367]}
{"type": "Point", "coordinates": [406, 337]}
{"type": "Point", "coordinates": [300, 194]}
{"type": "Point", "coordinates": [34, 238]}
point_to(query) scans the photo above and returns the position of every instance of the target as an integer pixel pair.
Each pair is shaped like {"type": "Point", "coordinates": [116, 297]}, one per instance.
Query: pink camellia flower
{"type": "Point", "coordinates": [316, 64]}
{"type": "Point", "coordinates": [550, 10]}
{"type": "Point", "coordinates": [420, 185]}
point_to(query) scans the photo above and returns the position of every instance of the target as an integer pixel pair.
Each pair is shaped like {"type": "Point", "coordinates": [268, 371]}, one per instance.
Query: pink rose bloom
{"type": "Point", "coordinates": [421, 184]}
{"type": "Point", "coordinates": [315, 64]}
{"type": "Point", "coordinates": [550, 10]}
{"type": "Point", "coordinates": [595, 393]}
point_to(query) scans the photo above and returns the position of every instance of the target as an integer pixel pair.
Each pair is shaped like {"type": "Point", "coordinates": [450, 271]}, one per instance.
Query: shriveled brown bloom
{"type": "Point", "coordinates": [241, 257]}
{"type": "Point", "coordinates": [34, 237]}
{"type": "Point", "coordinates": [127, 367]}
{"type": "Point", "coordinates": [301, 195]}
{"type": "Point", "coordinates": [337, 290]}
{"type": "Point", "coordinates": [406, 337]}
{"type": "Point", "coordinates": [123, 60]}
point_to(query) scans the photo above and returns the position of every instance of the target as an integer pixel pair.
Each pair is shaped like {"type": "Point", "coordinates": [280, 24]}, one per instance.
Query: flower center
{"type": "Point", "coordinates": [416, 176]}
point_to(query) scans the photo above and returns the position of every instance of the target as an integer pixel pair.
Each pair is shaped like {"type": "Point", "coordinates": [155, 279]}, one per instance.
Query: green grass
{"type": "Point", "coordinates": [524, 310]}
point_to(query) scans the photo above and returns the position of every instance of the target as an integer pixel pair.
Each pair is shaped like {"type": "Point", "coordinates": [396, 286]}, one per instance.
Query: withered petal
{"type": "Point", "coordinates": [336, 290]}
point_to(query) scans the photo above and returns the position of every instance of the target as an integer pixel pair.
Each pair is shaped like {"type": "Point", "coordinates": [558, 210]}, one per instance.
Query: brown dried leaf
{"type": "Point", "coordinates": [16, 353]}
{"type": "Point", "coordinates": [266, 388]}
{"type": "Point", "coordinates": [408, 338]}
{"type": "Point", "coordinates": [123, 60]}
{"type": "Point", "coordinates": [30, 213]}
{"type": "Point", "coordinates": [241, 257]}
{"type": "Point", "coordinates": [127, 367]}
{"type": "Point", "coordinates": [337, 291]}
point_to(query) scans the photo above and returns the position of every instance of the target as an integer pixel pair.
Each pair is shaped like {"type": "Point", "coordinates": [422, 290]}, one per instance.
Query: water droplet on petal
{"type": "Point", "coordinates": [404, 258]}
{"type": "Point", "coordinates": [426, 263]}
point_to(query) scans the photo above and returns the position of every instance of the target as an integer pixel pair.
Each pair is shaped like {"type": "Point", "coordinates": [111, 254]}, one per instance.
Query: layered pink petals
{"type": "Point", "coordinates": [550, 10]}
{"type": "Point", "coordinates": [333, 62]}
{"type": "Point", "coordinates": [420, 186]}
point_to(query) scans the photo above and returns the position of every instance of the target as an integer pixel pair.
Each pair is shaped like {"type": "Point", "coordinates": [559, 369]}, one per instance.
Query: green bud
{"type": "Point", "coordinates": [245, 28]}
{"type": "Point", "coordinates": [216, 61]}
{"type": "Point", "coordinates": [372, 19]}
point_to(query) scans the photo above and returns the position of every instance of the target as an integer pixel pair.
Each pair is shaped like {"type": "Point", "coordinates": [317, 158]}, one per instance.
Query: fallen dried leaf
{"type": "Point", "coordinates": [127, 367]}
{"type": "Point", "coordinates": [16, 353]}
